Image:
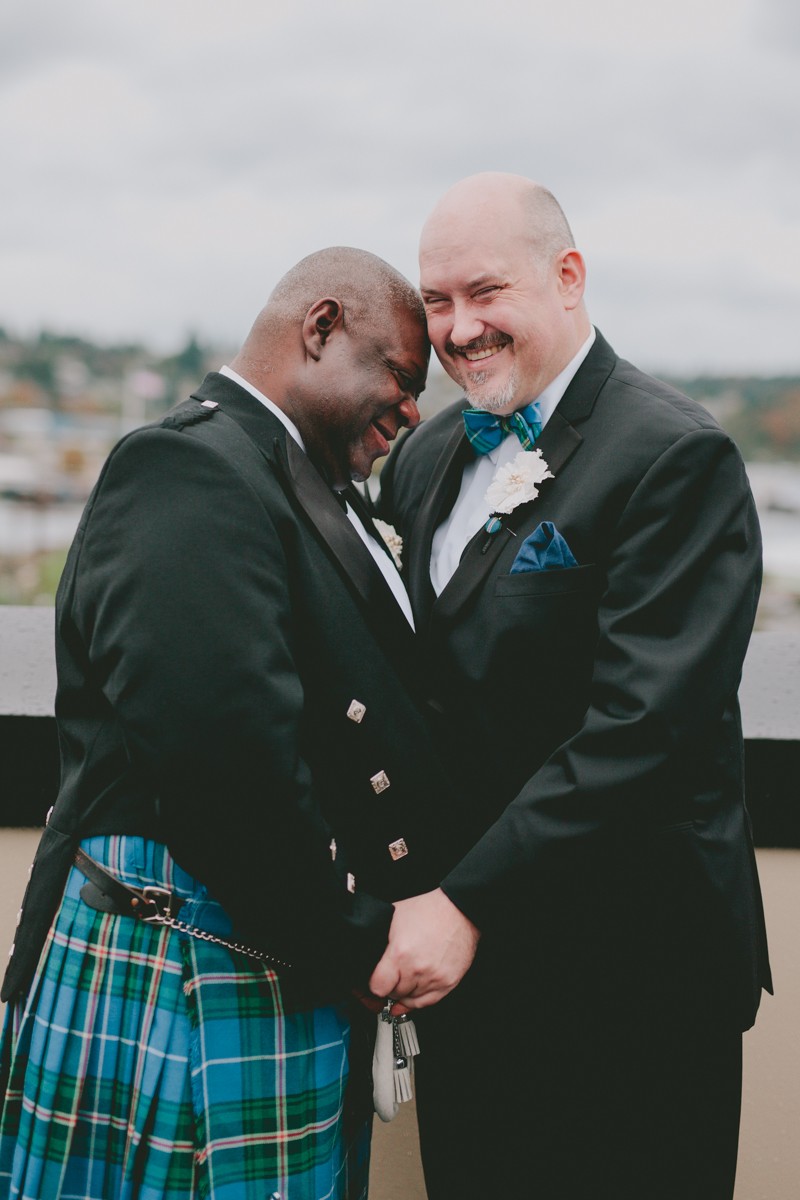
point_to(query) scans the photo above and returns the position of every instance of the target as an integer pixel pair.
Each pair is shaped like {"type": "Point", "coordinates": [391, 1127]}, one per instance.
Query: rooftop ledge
{"type": "Point", "coordinates": [769, 695]}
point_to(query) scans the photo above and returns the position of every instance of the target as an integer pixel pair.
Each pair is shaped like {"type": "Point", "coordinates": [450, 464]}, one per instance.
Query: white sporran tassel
{"type": "Point", "coordinates": [402, 1081]}
{"type": "Point", "coordinates": [409, 1043]}
{"type": "Point", "coordinates": [396, 1044]}
{"type": "Point", "coordinates": [383, 1085]}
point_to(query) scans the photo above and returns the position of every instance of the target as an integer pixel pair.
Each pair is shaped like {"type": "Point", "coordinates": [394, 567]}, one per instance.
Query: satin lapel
{"type": "Point", "coordinates": [322, 509]}
{"type": "Point", "coordinates": [439, 497]}
{"type": "Point", "coordinates": [558, 442]}
{"type": "Point", "coordinates": [359, 505]}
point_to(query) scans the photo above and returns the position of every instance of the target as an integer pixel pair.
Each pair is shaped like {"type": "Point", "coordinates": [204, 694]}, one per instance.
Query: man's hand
{"type": "Point", "coordinates": [431, 947]}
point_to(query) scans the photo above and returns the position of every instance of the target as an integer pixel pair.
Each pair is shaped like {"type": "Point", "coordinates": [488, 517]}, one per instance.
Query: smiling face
{"type": "Point", "coordinates": [503, 316]}
{"type": "Point", "coordinates": [366, 385]}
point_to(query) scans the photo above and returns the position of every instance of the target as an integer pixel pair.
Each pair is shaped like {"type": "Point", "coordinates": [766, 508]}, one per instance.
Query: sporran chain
{"type": "Point", "coordinates": [203, 935]}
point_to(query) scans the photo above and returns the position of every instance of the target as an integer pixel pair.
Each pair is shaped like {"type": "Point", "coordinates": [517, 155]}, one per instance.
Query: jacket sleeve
{"type": "Point", "coordinates": [182, 595]}
{"type": "Point", "coordinates": [683, 578]}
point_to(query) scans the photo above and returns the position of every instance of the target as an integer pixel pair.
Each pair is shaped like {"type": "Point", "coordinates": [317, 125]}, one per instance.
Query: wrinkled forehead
{"type": "Point", "coordinates": [454, 252]}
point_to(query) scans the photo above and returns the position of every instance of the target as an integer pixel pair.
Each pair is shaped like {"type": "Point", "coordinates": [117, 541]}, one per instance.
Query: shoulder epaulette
{"type": "Point", "coordinates": [190, 413]}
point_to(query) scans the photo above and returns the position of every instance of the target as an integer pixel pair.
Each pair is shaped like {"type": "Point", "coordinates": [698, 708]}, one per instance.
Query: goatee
{"type": "Point", "coordinates": [493, 402]}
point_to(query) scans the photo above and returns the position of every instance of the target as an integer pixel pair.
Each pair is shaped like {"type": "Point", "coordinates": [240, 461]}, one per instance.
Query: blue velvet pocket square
{"type": "Point", "coordinates": [543, 550]}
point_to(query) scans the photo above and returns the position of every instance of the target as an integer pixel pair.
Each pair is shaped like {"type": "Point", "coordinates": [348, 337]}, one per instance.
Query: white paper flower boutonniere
{"type": "Point", "coordinates": [514, 484]}
{"type": "Point", "coordinates": [392, 539]}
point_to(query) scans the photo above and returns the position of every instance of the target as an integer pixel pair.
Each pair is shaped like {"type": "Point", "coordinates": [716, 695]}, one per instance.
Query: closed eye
{"type": "Point", "coordinates": [407, 383]}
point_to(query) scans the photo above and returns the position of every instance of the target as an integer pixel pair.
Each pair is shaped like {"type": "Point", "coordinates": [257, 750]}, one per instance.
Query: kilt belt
{"type": "Point", "coordinates": [153, 905]}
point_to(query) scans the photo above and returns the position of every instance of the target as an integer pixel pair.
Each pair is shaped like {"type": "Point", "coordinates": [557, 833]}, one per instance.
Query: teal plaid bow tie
{"type": "Point", "coordinates": [486, 431]}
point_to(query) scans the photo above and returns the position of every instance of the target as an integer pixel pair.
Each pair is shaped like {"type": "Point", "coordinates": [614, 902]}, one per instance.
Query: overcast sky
{"type": "Point", "coordinates": [165, 161]}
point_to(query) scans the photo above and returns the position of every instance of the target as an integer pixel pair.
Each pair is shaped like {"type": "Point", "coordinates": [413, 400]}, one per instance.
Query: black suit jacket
{"type": "Point", "coordinates": [216, 618]}
{"type": "Point", "coordinates": [596, 706]}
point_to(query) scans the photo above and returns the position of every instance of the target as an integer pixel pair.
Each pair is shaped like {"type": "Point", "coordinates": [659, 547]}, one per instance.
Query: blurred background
{"type": "Point", "coordinates": [165, 163]}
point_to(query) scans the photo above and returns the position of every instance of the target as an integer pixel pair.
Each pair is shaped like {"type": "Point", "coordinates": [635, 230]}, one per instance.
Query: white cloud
{"type": "Point", "coordinates": [167, 162]}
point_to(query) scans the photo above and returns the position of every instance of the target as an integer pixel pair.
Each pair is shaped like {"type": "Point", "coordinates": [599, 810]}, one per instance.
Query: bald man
{"type": "Point", "coordinates": [235, 675]}
{"type": "Point", "coordinates": [583, 558]}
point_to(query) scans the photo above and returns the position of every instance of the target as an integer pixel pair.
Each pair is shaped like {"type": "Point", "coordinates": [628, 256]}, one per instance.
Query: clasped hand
{"type": "Point", "coordinates": [431, 947]}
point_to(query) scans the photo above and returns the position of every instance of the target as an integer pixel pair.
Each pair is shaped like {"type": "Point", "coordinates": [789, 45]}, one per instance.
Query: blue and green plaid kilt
{"type": "Point", "coordinates": [145, 1064]}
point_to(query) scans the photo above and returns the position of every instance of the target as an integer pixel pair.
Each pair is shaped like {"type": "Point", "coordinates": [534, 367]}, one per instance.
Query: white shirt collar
{"type": "Point", "coordinates": [265, 400]}
{"type": "Point", "coordinates": [549, 399]}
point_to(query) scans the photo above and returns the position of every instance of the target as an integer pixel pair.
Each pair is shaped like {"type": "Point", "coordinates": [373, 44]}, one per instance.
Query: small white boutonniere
{"type": "Point", "coordinates": [392, 539]}
{"type": "Point", "coordinates": [514, 484]}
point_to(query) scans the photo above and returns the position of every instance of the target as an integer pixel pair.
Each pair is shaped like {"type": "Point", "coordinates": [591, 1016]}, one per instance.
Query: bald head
{"type": "Point", "coordinates": [519, 207]}
{"type": "Point", "coordinates": [363, 283]}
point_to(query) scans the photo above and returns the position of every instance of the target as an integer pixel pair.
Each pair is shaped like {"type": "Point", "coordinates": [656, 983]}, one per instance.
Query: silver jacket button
{"type": "Point", "coordinates": [380, 782]}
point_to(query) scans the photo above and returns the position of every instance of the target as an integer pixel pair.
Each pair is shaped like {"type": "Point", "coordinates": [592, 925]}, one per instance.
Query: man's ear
{"type": "Point", "coordinates": [571, 277]}
{"type": "Point", "coordinates": [319, 323]}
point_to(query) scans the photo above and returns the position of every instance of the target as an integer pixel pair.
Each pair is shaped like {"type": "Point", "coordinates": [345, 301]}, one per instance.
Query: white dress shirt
{"type": "Point", "coordinates": [471, 511]}
{"type": "Point", "coordinates": [382, 559]}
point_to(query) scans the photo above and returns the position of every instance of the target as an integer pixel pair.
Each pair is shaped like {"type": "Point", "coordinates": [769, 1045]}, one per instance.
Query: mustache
{"type": "Point", "coordinates": [487, 342]}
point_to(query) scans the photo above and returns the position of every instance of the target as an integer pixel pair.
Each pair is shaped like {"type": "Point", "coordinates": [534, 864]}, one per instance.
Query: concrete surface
{"type": "Point", "coordinates": [769, 1156]}
{"type": "Point", "coordinates": [396, 1172]}
{"type": "Point", "coordinates": [769, 695]}
{"type": "Point", "coordinates": [27, 661]}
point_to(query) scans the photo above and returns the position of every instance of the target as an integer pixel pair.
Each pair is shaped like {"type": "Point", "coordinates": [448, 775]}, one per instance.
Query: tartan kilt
{"type": "Point", "coordinates": [145, 1064]}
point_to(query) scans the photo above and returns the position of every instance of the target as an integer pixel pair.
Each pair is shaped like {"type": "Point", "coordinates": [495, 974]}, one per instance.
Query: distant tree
{"type": "Point", "coordinates": [38, 368]}
{"type": "Point", "coordinates": [782, 423]}
{"type": "Point", "coordinates": [191, 359]}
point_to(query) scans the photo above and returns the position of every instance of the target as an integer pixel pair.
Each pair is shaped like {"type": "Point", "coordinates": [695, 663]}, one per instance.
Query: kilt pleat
{"type": "Point", "coordinates": [145, 1064]}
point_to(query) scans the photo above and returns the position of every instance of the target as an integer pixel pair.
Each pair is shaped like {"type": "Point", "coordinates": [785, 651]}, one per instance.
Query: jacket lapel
{"type": "Point", "coordinates": [326, 515]}
{"type": "Point", "coordinates": [440, 496]}
{"type": "Point", "coordinates": [558, 442]}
